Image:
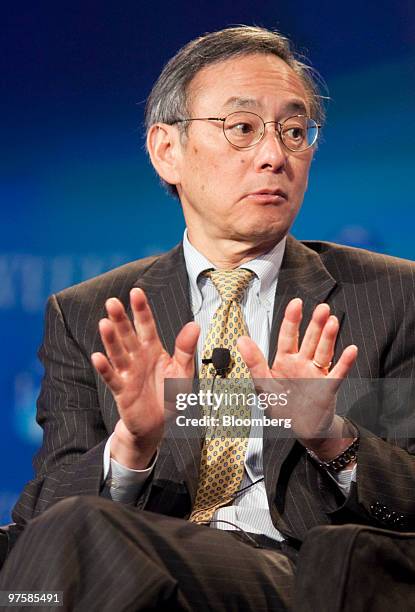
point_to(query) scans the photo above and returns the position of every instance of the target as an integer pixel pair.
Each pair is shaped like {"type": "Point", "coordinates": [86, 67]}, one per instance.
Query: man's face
{"type": "Point", "coordinates": [253, 195]}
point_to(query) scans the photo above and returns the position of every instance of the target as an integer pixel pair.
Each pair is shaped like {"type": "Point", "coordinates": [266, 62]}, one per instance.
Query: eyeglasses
{"type": "Point", "coordinates": [246, 129]}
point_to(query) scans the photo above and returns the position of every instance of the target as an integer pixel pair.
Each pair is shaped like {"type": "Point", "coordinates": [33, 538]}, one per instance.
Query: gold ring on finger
{"type": "Point", "coordinates": [320, 366]}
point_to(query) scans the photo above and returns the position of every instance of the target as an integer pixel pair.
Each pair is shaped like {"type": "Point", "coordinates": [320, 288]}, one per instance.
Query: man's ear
{"type": "Point", "coordinates": [164, 147]}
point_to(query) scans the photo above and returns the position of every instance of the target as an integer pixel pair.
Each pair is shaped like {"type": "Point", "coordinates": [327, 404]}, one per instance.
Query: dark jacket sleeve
{"type": "Point", "coordinates": [70, 460]}
{"type": "Point", "coordinates": [385, 491]}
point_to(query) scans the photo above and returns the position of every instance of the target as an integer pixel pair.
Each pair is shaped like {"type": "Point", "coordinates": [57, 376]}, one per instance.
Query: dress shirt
{"type": "Point", "coordinates": [250, 509]}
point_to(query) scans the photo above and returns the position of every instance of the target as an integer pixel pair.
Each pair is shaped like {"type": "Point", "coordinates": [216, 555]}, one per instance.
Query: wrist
{"type": "Point", "coordinates": [131, 452]}
{"type": "Point", "coordinates": [345, 458]}
{"type": "Point", "coordinates": [337, 439]}
{"type": "Point", "coordinates": [344, 461]}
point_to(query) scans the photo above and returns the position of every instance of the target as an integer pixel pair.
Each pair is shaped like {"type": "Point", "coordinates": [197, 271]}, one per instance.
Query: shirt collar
{"type": "Point", "coordinates": [266, 268]}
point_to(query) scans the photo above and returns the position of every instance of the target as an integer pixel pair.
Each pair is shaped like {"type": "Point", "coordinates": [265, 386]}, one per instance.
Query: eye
{"type": "Point", "coordinates": [295, 133]}
{"type": "Point", "coordinates": [241, 128]}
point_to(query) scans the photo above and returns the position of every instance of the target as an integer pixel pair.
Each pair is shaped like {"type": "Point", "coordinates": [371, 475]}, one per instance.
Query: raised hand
{"type": "Point", "coordinates": [134, 368]}
{"type": "Point", "coordinates": [312, 406]}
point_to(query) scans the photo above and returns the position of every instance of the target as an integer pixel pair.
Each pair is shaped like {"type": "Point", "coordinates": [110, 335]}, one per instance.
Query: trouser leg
{"type": "Point", "coordinates": [110, 557]}
{"type": "Point", "coordinates": [356, 568]}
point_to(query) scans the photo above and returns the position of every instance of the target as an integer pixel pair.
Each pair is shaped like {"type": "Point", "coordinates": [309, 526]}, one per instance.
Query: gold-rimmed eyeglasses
{"type": "Point", "coordinates": [245, 129]}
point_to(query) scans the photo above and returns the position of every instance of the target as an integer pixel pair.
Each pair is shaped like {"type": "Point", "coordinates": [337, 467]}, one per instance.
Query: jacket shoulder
{"type": "Point", "coordinates": [116, 282]}
{"type": "Point", "coordinates": [352, 264]}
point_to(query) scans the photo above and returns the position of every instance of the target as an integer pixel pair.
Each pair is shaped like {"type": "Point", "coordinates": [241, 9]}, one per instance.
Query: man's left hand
{"type": "Point", "coordinates": [313, 416]}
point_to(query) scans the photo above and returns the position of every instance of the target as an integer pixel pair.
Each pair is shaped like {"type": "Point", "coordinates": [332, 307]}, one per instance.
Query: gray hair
{"type": "Point", "coordinates": [168, 99]}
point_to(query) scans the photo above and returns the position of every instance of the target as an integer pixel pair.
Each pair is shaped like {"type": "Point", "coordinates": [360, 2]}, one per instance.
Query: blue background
{"type": "Point", "coordinates": [78, 195]}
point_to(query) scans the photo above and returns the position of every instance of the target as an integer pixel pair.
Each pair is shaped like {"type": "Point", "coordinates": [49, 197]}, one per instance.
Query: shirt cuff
{"type": "Point", "coordinates": [124, 484]}
{"type": "Point", "coordinates": [345, 478]}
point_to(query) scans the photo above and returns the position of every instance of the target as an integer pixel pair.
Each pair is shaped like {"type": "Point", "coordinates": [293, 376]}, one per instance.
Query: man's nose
{"type": "Point", "coordinates": [271, 153]}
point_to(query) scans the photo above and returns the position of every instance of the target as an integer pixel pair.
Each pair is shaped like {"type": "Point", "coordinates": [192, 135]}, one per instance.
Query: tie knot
{"type": "Point", "coordinates": [231, 284]}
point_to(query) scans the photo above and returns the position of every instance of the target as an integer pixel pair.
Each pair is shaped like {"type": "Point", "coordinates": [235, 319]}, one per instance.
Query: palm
{"type": "Point", "coordinates": [136, 365]}
{"type": "Point", "coordinates": [312, 390]}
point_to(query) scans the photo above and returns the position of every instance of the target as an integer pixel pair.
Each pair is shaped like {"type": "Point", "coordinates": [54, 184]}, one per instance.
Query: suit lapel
{"type": "Point", "coordinates": [302, 275]}
{"type": "Point", "coordinates": [166, 286]}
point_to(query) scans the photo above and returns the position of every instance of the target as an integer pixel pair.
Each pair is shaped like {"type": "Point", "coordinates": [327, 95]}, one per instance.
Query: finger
{"type": "Point", "coordinates": [143, 317]}
{"type": "Point", "coordinates": [325, 347]}
{"type": "Point", "coordinates": [114, 348]}
{"type": "Point", "coordinates": [185, 346]}
{"type": "Point", "coordinates": [122, 325]}
{"type": "Point", "coordinates": [344, 364]}
{"type": "Point", "coordinates": [253, 357]}
{"type": "Point", "coordinates": [107, 373]}
{"type": "Point", "coordinates": [289, 331]}
{"type": "Point", "coordinates": [314, 329]}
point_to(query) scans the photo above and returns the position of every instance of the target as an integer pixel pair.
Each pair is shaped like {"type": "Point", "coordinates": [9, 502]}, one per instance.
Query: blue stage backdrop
{"type": "Point", "coordinates": [78, 195]}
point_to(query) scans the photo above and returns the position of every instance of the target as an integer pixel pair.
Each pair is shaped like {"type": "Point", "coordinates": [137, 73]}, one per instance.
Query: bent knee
{"type": "Point", "coordinates": [76, 508]}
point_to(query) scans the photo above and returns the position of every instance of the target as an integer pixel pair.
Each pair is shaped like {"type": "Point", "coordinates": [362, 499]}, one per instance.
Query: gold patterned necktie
{"type": "Point", "coordinates": [223, 454]}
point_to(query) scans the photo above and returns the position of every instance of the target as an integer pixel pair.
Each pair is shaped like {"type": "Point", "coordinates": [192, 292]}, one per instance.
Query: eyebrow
{"type": "Point", "coordinates": [294, 106]}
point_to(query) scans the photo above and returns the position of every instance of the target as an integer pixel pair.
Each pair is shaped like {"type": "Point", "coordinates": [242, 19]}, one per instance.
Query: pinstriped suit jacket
{"type": "Point", "coordinates": [373, 297]}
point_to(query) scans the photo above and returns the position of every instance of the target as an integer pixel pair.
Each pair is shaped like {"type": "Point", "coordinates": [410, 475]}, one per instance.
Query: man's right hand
{"type": "Point", "coordinates": [134, 368]}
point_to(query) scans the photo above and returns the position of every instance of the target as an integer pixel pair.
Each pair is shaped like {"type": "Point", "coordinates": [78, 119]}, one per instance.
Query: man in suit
{"type": "Point", "coordinates": [118, 507]}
